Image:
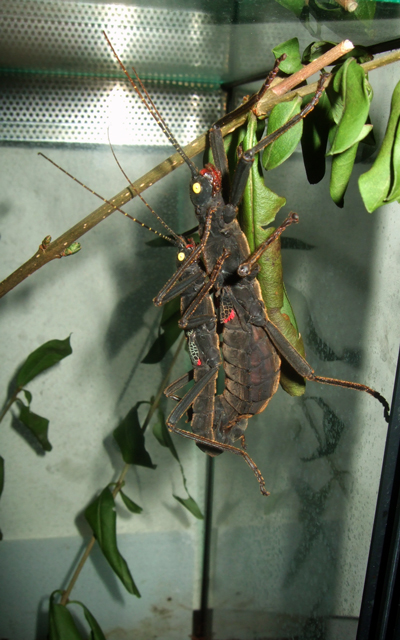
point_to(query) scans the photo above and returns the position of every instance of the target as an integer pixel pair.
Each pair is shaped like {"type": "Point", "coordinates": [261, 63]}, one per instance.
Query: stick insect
{"type": "Point", "coordinates": [221, 265]}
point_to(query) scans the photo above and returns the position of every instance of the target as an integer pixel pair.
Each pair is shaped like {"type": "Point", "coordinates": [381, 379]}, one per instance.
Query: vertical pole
{"type": "Point", "coordinates": [379, 607]}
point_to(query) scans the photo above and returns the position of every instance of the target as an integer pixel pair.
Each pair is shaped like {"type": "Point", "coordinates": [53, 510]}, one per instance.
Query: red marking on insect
{"type": "Point", "coordinates": [198, 362]}
{"type": "Point", "coordinates": [214, 175]}
{"type": "Point", "coordinates": [230, 317]}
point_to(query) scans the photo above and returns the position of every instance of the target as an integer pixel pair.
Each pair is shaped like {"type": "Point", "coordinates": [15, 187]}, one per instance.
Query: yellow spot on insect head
{"type": "Point", "coordinates": [181, 256]}
{"type": "Point", "coordinates": [196, 187]}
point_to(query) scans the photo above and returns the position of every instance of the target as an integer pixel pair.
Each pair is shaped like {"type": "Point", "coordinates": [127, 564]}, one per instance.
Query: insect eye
{"type": "Point", "coordinates": [196, 187]}
{"type": "Point", "coordinates": [181, 256]}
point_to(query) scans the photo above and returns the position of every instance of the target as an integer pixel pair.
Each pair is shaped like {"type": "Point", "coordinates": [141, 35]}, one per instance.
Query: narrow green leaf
{"type": "Point", "coordinates": [1, 474]}
{"type": "Point", "coordinates": [102, 519]}
{"type": "Point", "coordinates": [342, 167]}
{"type": "Point", "coordinates": [61, 624]}
{"type": "Point", "coordinates": [376, 184]}
{"type": "Point", "coordinates": [96, 632]}
{"type": "Point", "coordinates": [162, 434]}
{"type": "Point", "coordinates": [132, 506]}
{"type": "Point", "coordinates": [191, 505]}
{"type": "Point", "coordinates": [42, 358]}
{"type": "Point", "coordinates": [356, 94]}
{"type": "Point", "coordinates": [37, 425]}
{"type": "Point", "coordinates": [293, 60]}
{"type": "Point", "coordinates": [283, 147]}
{"type": "Point", "coordinates": [130, 439]}
{"type": "Point", "coordinates": [170, 310]}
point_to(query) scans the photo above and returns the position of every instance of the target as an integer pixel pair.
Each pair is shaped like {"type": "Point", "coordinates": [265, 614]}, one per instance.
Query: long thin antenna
{"type": "Point", "coordinates": [131, 187]}
{"type": "Point", "coordinates": [152, 109]}
{"type": "Point", "coordinates": [142, 224]}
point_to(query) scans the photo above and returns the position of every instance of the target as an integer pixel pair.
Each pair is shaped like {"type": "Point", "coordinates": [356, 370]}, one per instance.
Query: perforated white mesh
{"type": "Point", "coordinates": [79, 109]}
{"type": "Point", "coordinates": [63, 84]}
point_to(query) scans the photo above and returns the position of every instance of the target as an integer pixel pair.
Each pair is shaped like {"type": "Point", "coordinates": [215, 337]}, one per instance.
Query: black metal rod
{"type": "Point", "coordinates": [379, 603]}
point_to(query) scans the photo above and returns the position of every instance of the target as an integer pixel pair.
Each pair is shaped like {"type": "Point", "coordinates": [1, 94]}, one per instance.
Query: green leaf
{"type": "Point", "coordinates": [96, 632]}
{"type": "Point", "coordinates": [342, 167]}
{"type": "Point", "coordinates": [163, 436]}
{"type": "Point", "coordinates": [284, 146]}
{"type": "Point", "coordinates": [28, 396]}
{"type": "Point", "coordinates": [164, 342]}
{"type": "Point", "coordinates": [259, 208]}
{"type": "Point", "coordinates": [381, 182]}
{"type": "Point", "coordinates": [356, 96]}
{"type": "Point", "coordinates": [293, 61]}
{"type": "Point", "coordinates": [1, 474]}
{"type": "Point", "coordinates": [191, 505]}
{"type": "Point", "coordinates": [41, 359]}
{"type": "Point", "coordinates": [102, 519]}
{"type": "Point", "coordinates": [132, 506]}
{"type": "Point", "coordinates": [37, 425]}
{"type": "Point", "coordinates": [61, 623]}
{"type": "Point", "coordinates": [130, 439]}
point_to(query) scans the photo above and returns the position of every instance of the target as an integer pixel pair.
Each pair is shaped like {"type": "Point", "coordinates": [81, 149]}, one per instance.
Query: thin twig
{"type": "Point", "coordinates": [55, 248]}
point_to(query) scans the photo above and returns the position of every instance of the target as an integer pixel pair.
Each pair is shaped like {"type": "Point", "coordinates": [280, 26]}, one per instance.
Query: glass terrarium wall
{"type": "Point", "coordinates": [291, 565]}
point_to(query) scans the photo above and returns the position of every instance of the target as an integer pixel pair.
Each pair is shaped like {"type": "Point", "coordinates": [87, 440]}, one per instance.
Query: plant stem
{"type": "Point", "coordinates": [9, 404]}
{"type": "Point", "coordinates": [120, 482]}
{"type": "Point", "coordinates": [56, 248]}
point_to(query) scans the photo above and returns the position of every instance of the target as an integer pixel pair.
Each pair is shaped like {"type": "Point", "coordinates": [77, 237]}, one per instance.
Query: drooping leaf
{"type": "Point", "coordinates": [383, 178]}
{"type": "Point", "coordinates": [162, 434]}
{"type": "Point", "coordinates": [284, 146]}
{"type": "Point", "coordinates": [342, 166]}
{"type": "Point", "coordinates": [259, 208]}
{"type": "Point", "coordinates": [102, 519]}
{"type": "Point", "coordinates": [42, 358]}
{"type": "Point", "coordinates": [132, 506]}
{"type": "Point", "coordinates": [1, 474]}
{"type": "Point", "coordinates": [28, 395]}
{"type": "Point", "coordinates": [191, 505]}
{"type": "Point", "coordinates": [356, 95]}
{"type": "Point", "coordinates": [130, 439]}
{"type": "Point", "coordinates": [36, 424]}
{"type": "Point", "coordinates": [61, 623]}
{"type": "Point", "coordinates": [293, 60]}
{"type": "Point", "coordinates": [96, 632]}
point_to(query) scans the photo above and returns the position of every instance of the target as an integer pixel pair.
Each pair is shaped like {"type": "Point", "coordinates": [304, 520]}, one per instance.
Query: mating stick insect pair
{"type": "Point", "coordinates": [220, 294]}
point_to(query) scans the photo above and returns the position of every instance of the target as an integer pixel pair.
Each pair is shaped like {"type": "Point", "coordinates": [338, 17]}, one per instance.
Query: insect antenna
{"type": "Point", "coordinates": [132, 188]}
{"type": "Point", "coordinates": [152, 109]}
{"type": "Point", "coordinates": [176, 242]}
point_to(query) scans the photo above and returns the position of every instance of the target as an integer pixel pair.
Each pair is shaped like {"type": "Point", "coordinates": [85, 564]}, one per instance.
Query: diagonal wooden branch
{"type": "Point", "coordinates": [56, 248]}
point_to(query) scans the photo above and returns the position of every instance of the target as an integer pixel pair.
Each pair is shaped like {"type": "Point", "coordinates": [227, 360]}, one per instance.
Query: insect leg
{"type": "Point", "coordinates": [247, 158]}
{"type": "Point", "coordinates": [246, 267]}
{"type": "Point", "coordinates": [302, 367]}
{"type": "Point", "coordinates": [204, 290]}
